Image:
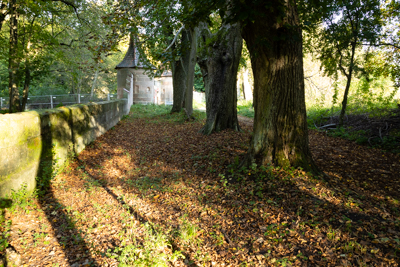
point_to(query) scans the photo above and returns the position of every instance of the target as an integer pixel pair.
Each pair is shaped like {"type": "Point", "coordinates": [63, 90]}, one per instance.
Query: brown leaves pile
{"type": "Point", "coordinates": [163, 173]}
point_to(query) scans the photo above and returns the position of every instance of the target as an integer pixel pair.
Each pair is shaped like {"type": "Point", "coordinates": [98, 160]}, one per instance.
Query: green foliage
{"type": "Point", "coordinates": [245, 108]}
{"type": "Point", "coordinates": [373, 110]}
{"type": "Point", "coordinates": [361, 137]}
{"type": "Point", "coordinates": [153, 111]}
{"type": "Point", "coordinates": [152, 252]}
{"type": "Point", "coordinates": [199, 105]}
{"type": "Point", "coordinates": [148, 111]}
{"type": "Point", "coordinates": [346, 27]}
{"type": "Point", "coordinates": [61, 50]}
{"type": "Point", "coordinates": [357, 136]}
{"type": "Point", "coordinates": [4, 225]}
{"type": "Point", "coordinates": [199, 115]}
{"type": "Point", "coordinates": [198, 80]}
{"type": "Point", "coordinates": [347, 24]}
{"type": "Point", "coordinates": [20, 198]}
{"type": "Point", "coordinates": [373, 93]}
{"type": "Point", "coordinates": [188, 234]}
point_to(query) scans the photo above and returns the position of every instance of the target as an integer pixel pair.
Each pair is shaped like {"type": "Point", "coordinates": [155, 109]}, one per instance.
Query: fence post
{"type": "Point", "coordinates": [108, 97]}
{"type": "Point", "coordinates": [79, 98]}
{"type": "Point", "coordinates": [51, 101]}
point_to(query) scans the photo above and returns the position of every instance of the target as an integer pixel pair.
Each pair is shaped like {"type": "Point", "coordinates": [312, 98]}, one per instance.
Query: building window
{"type": "Point", "coordinates": [136, 89]}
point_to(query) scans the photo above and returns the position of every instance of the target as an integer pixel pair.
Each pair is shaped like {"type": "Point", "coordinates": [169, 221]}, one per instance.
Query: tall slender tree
{"type": "Point", "coordinates": [13, 57]}
{"type": "Point", "coordinates": [348, 26]}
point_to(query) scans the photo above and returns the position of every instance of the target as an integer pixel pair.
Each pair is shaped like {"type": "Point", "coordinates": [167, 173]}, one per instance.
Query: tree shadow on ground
{"type": "Point", "coordinates": [142, 219]}
{"type": "Point", "coordinates": [269, 217]}
{"type": "Point", "coordinates": [69, 237]}
{"type": "Point", "coordinates": [331, 207]}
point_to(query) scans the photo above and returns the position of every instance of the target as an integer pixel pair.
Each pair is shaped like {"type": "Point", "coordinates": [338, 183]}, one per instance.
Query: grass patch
{"type": "Point", "coordinates": [154, 250]}
{"type": "Point", "coordinates": [199, 105]}
{"type": "Point", "coordinates": [148, 111]}
{"type": "Point", "coordinates": [160, 113]}
{"type": "Point", "coordinates": [245, 108]}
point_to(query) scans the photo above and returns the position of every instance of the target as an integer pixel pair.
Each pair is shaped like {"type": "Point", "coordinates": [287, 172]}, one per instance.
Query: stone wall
{"type": "Point", "coordinates": [29, 141]}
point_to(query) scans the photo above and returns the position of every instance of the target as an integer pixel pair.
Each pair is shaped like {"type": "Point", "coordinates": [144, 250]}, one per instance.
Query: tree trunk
{"type": "Point", "coordinates": [13, 59]}
{"type": "Point", "coordinates": [179, 76]}
{"type": "Point", "coordinates": [221, 64]}
{"type": "Point", "coordinates": [26, 86]}
{"type": "Point", "coordinates": [3, 13]}
{"type": "Point", "coordinates": [348, 83]}
{"type": "Point", "coordinates": [179, 85]}
{"type": "Point", "coordinates": [189, 60]}
{"type": "Point", "coordinates": [94, 81]}
{"type": "Point", "coordinates": [183, 73]}
{"type": "Point", "coordinates": [280, 134]}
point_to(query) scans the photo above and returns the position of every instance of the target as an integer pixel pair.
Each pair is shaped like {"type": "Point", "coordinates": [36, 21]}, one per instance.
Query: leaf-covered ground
{"type": "Point", "coordinates": [155, 192]}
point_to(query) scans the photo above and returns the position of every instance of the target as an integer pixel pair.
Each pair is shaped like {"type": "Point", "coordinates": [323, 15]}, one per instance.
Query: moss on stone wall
{"type": "Point", "coordinates": [32, 139]}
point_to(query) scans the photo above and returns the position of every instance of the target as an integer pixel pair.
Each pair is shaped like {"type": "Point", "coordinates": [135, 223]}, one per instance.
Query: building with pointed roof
{"type": "Point", "coordinates": [132, 76]}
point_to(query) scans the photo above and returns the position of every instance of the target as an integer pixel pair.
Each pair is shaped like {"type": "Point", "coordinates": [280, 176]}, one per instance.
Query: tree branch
{"type": "Point", "coordinates": [174, 40]}
{"type": "Point", "coordinates": [341, 60]}
{"type": "Point", "coordinates": [384, 44]}
{"type": "Point", "coordinates": [69, 4]}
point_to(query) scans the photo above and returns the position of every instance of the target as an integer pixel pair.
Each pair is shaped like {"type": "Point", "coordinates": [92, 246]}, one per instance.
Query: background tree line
{"type": "Point", "coordinates": [55, 47]}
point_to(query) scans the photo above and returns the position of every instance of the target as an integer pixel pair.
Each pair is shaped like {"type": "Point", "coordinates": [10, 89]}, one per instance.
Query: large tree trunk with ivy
{"type": "Point", "coordinates": [280, 134]}
{"type": "Point", "coordinates": [219, 61]}
{"type": "Point", "coordinates": [13, 59]}
{"type": "Point", "coordinates": [183, 73]}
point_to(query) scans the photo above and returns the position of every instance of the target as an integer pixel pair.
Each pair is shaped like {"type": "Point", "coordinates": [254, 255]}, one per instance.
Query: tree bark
{"type": "Point", "coordinates": [13, 62]}
{"type": "Point", "coordinates": [183, 73]}
{"type": "Point", "coordinates": [179, 85]}
{"type": "Point", "coordinates": [280, 134]}
{"type": "Point", "coordinates": [3, 13]}
{"type": "Point", "coordinates": [189, 60]}
{"type": "Point", "coordinates": [27, 82]}
{"type": "Point", "coordinates": [221, 62]}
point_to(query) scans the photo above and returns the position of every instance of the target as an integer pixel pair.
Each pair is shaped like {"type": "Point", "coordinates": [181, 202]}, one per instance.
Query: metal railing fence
{"type": "Point", "coordinates": [53, 101]}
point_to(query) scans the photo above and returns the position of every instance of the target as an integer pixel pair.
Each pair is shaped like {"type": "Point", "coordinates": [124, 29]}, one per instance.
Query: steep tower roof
{"type": "Point", "coordinates": [132, 57]}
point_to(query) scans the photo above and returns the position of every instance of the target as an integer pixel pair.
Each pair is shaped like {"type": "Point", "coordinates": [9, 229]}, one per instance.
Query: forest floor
{"type": "Point", "coordinates": [155, 191]}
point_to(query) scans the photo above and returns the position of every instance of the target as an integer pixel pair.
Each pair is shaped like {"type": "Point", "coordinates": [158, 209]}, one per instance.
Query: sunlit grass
{"type": "Point", "coordinates": [148, 111]}
{"type": "Point", "coordinates": [245, 108]}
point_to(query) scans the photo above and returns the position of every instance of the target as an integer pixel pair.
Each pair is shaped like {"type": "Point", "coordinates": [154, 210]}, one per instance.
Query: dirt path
{"type": "Point", "coordinates": [157, 190]}
{"type": "Point", "coordinates": [245, 121]}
